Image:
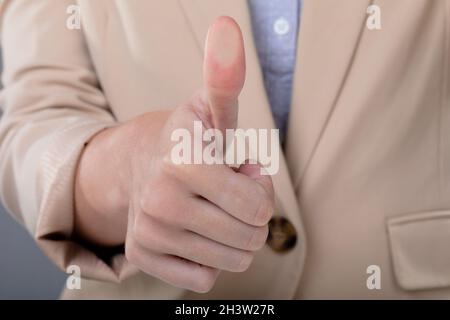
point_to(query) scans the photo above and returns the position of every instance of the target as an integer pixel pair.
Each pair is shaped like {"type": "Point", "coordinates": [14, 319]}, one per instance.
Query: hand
{"type": "Point", "coordinates": [185, 222]}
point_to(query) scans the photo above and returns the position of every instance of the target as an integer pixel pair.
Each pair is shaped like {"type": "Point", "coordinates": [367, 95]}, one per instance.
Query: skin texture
{"type": "Point", "coordinates": [179, 223]}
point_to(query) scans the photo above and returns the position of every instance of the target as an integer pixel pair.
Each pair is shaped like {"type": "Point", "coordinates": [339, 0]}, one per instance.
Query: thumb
{"type": "Point", "coordinates": [223, 72]}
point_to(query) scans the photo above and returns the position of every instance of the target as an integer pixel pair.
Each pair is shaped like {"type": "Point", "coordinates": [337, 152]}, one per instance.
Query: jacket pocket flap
{"type": "Point", "coordinates": [420, 247]}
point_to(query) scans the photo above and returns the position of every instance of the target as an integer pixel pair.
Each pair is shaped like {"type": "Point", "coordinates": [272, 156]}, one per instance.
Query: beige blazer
{"type": "Point", "coordinates": [365, 177]}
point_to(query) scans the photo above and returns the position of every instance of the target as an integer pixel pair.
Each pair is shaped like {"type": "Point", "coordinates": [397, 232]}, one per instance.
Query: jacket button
{"type": "Point", "coordinates": [282, 235]}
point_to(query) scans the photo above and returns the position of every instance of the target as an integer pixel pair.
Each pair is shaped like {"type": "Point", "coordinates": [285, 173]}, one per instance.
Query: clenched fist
{"type": "Point", "coordinates": [180, 223]}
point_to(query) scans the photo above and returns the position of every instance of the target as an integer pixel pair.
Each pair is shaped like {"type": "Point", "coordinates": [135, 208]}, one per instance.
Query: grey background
{"type": "Point", "coordinates": [25, 273]}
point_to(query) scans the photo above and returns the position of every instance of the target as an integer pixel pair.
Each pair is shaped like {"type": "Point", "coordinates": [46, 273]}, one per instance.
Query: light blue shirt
{"type": "Point", "coordinates": [275, 28]}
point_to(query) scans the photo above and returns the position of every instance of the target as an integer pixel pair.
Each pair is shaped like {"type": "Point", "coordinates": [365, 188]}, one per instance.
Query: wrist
{"type": "Point", "coordinates": [101, 194]}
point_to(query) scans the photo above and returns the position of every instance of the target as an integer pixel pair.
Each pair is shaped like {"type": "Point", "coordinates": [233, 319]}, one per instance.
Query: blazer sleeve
{"type": "Point", "coordinates": [52, 105]}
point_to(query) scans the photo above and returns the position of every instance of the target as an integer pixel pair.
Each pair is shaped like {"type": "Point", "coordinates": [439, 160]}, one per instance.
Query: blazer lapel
{"type": "Point", "coordinates": [329, 35]}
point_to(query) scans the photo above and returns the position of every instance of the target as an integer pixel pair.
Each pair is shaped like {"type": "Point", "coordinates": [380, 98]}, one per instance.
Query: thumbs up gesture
{"type": "Point", "coordinates": [185, 223]}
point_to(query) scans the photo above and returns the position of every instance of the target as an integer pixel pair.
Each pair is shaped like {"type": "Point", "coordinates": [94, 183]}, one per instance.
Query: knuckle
{"type": "Point", "coordinates": [258, 238]}
{"type": "Point", "coordinates": [205, 282]}
{"type": "Point", "coordinates": [140, 231]}
{"type": "Point", "coordinates": [244, 262]}
{"type": "Point", "coordinates": [152, 203]}
{"type": "Point", "coordinates": [239, 197]}
{"type": "Point", "coordinates": [264, 213]}
{"type": "Point", "coordinates": [174, 212]}
{"type": "Point", "coordinates": [168, 167]}
{"type": "Point", "coordinates": [171, 169]}
{"type": "Point", "coordinates": [241, 204]}
{"type": "Point", "coordinates": [148, 199]}
{"type": "Point", "coordinates": [149, 236]}
{"type": "Point", "coordinates": [146, 204]}
{"type": "Point", "coordinates": [269, 184]}
{"type": "Point", "coordinates": [132, 253]}
{"type": "Point", "coordinates": [264, 209]}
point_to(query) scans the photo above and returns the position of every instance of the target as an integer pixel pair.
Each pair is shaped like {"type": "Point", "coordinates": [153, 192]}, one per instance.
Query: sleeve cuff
{"type": "Point", "coordinates": [56, 180]}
